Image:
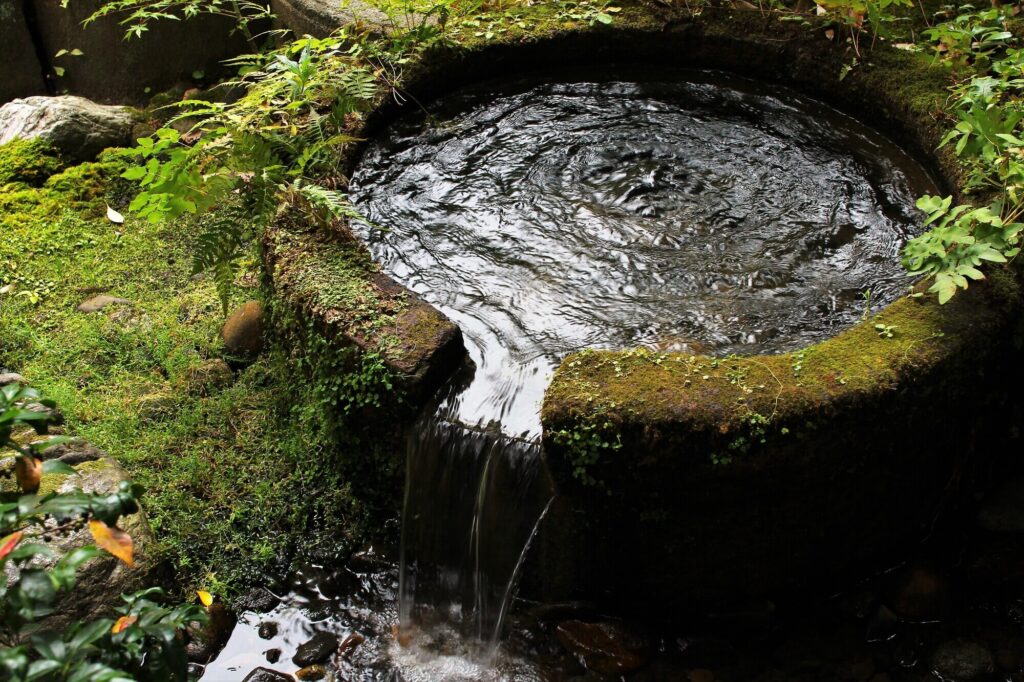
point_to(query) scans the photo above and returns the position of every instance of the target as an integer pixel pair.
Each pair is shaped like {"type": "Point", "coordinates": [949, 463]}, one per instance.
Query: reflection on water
{"type": "Point", "coordinates": [685, 210]}
{"type": "Point", "coordinates": [677, 210]}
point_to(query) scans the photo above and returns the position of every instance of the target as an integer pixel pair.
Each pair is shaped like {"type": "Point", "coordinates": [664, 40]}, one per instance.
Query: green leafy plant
{"type": "Point", "coordinates": [864, 17]}
{"type": "Point", "coordinates": [988, 140]}
{"type": "Point", "coordinates": [137, 16]}
{"type": "Point", "coordinates": [961, 240]}
{"type": "Point", "coordinates": [969, 36]}
{"type": "Point", "coordinates": [142, 643]}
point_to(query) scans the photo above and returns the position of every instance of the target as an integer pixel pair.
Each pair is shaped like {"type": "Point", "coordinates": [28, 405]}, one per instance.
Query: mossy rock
{"type": "Point", "coordinates": [685, 479]}
{"type": "Point", "coordinates": [327, 279]}
{"type": "Point", "coordinates": [28, 162]}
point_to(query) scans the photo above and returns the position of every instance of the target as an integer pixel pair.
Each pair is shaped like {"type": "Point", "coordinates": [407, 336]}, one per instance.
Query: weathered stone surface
{"type": "Point", "coordinates": [55, 415]}
{"type": "Point", "coordinates": [318, 649]}
{"type": "Point", "coordinates": [243, 330]}
{"type": "Point", "coordinates": [258, 600]}
{"type": "Point", "coordinates": [78, 127]}
{"type": "Point", "coordinates": [74, 453]}
{"type": "Point", "coordinates": [605, 648]}
{"type": "Point", "coordinates": [207, 376]}
{"type": "Point", "coordinates": [11, 378]}
{"type": "Point", "coordinates": [267, 629]}
{"type": "Point", "coordinates": [418, 344]}
{"type": "Point", "coordinates": [206, 640]}
{"type": "Point", "coordinates": [23, 74]}
{"type": "Point", "coordinates": [1003, 511]}
{"type": "Point", "coordinates": [267, 675]}
{"type": "Point", "coordinates": [319, 18]}
{"type": "Point", "coordinates": [102, 581]}
{"type": "Point", "coordinates": [961, 660]}
{"type": "Point", "coordinates": [111, 69]}
{"type": "Point", "coordinates": [97, 303]}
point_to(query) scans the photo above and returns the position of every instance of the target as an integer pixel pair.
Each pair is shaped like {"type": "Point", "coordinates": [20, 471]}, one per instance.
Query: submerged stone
{"type": "Point", "coordinates": [316, 650]}
{"type": "Point", "coordinates": [605, 648]}
{"type": "Point", "coordinates": [962, 660]}
{"type": "Point", "coordinates": [312, 672]}
{"type": "Point", "coordinates": [262, 674]}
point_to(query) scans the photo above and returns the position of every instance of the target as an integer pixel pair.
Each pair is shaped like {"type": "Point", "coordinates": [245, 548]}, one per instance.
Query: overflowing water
{"type": "Point", "coordinates": [678, 210]}
{"type": "Point", "coordinates": [683, 210]}
{"type": "Point", "coordinates": [675, 210]}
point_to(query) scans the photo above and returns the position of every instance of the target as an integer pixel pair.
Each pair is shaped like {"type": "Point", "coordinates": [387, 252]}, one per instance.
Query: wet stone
{"type": "Point", "coordinates": [882, 626]}
{"type": "Point", "coordinates": [962, 660]}
{"type": "Point", "coordinates": [272, 655]}
{"type": "Point", "coordinates": [350, 643]}
{"type": "Point", "coordinates": [1008, 660]}
{"type": "Point", "coordinates": [605, 648]}
{"type": "Point", "coordinates": [312, 672]}
{"type": "Point", "coordinates": [368, 560]}
{"type": "Point", "coordinates": [316, 650]}
{"type": "Point", "coordinates": [210, 638]}
{"type": "Point", "coordinates": [258, 600]}
{"type": "Point", "coordinates": [267, 630]}
{"type": "Point", "coordinates": [267, 675]}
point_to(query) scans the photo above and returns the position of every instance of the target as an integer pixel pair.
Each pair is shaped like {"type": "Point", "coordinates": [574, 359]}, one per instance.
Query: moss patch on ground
{"type": "Point", "coordinates": [237, 474]}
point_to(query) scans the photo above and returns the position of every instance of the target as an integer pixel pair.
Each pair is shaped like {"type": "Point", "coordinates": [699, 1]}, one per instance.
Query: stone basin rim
{"type": "Point", "coordinates": [696, 45]}
{"type": "Point", "coordinates": [862, 413]}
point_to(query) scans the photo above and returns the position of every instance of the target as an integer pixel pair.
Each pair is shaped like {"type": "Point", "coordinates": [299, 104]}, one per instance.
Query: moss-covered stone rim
{"type": "Point", "coordinates": [602, 401]}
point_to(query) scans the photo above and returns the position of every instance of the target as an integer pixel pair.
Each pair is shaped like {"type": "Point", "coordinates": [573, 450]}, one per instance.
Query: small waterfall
{"type": "Point", "coordinates": [473, 502]}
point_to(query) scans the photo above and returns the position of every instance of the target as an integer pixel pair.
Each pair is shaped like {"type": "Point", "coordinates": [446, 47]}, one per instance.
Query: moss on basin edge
{"type": "Point", "coordinates": [327, 279]}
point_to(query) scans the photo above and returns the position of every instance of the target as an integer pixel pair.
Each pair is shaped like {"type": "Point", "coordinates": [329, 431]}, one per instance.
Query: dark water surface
{"type": "Point", "coordinates": [678, 210]}
{"type": "Point", "coordinates": [681, 210]}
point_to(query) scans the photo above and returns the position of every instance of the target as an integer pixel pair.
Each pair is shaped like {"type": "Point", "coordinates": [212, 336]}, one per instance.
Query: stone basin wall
{"type": "Point", "coordinates": [686, 480]}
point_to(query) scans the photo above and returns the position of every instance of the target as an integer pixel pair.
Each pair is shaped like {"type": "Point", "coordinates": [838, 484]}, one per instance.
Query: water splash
{"type": "Point", "coordinates": [678, 210]}
{"type": "Point", "coordinates": [473, 502]}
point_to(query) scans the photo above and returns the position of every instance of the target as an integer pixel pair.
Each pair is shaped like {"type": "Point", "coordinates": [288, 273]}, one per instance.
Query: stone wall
{"type": "Point", "coordinates": [22, 72]}
{"type": "Point", "coordinates": [109, 69]}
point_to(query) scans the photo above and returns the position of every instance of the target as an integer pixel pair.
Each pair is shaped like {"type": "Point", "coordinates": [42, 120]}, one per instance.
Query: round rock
{"type": "Point", "coordinates": [78, 127]}
{"type": "Point", "coordinates": [962, 660]}
{"type": "Point", "coordinates": [243, 330]}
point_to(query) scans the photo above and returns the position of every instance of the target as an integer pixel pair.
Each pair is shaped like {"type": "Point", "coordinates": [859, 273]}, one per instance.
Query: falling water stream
{"type": "Point", "coordinates": [677, 210]}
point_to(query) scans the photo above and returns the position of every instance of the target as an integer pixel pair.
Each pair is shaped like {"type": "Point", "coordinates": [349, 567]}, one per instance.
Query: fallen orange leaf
{"type": "Point", "coordinates": [112, 539]}
{"type": "Point", "coordinates": [205, 597]}
{"type": "Point", "coordinates": [8, 544]}
{"type": "Point", "coordinates": [123, 623]}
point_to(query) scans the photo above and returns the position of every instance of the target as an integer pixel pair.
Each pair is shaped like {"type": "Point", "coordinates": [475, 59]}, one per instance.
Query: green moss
{"type": "Point", "coordinates": [236, 478]}
{"type": "Point", "coordinates": [746, 401]}
{"type": "Point", "coordinates": [29, 162]}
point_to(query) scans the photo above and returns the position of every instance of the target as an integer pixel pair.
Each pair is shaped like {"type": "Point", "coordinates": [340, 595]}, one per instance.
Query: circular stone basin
{"type": "Point", "coordinates": [673, 209]}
